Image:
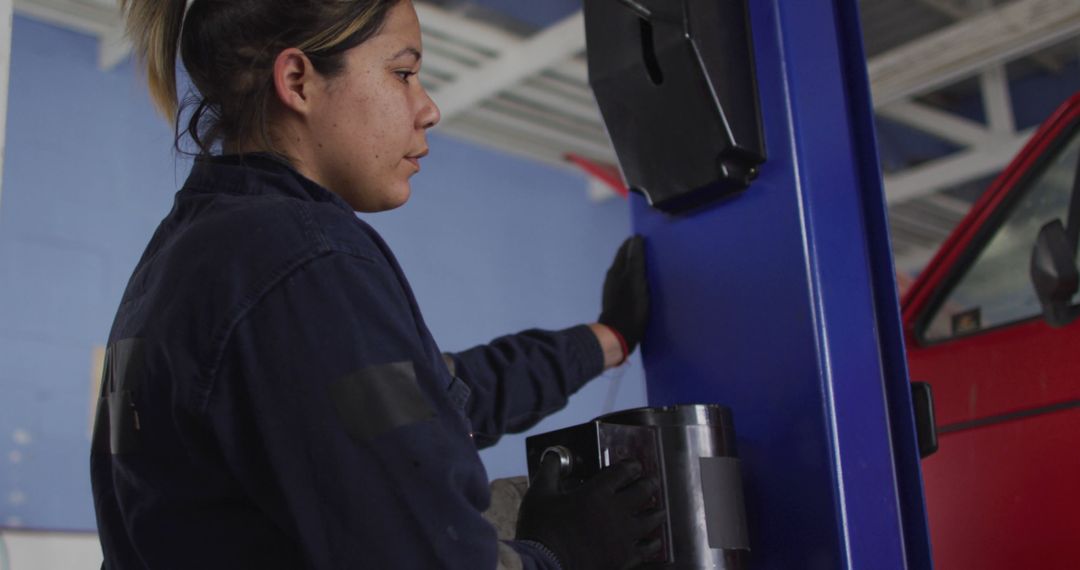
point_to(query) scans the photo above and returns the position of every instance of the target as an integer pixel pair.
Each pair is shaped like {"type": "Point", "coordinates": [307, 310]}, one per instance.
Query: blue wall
{"type": "Point", "coordinates": [492, 244]}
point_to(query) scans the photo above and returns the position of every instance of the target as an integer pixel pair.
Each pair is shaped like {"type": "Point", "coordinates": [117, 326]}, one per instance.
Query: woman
{"type": "Point", "coordinates": [273, 398]}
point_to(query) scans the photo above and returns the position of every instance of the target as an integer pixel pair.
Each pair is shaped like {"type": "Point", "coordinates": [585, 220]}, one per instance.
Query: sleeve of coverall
{"type": "Point", "coordinates": [517, 380]}
{"type": "Point", "coordinates": [327, 414]}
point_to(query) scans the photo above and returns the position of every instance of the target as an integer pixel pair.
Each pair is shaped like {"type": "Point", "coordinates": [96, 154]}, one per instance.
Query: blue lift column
{"type": "Point", "coordinates": [781, 303]}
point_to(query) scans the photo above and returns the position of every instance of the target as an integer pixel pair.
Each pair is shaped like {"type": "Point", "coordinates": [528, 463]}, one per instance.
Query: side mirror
{"type": "Point", "coordinates": [1054, 274]}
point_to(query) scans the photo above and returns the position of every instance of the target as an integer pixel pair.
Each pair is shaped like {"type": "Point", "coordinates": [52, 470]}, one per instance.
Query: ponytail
{"type": "Point", "coordinates": [228, 49]}
{"type": "Point", "coordinates": [154, 28]}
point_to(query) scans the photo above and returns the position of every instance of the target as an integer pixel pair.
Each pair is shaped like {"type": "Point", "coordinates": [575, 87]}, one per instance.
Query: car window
{"type": "Point", "coordinates": [996, 289]}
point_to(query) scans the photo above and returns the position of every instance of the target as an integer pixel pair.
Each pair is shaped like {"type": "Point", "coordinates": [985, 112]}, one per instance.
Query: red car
{"type": "Point", "coordinates": [990, 325]}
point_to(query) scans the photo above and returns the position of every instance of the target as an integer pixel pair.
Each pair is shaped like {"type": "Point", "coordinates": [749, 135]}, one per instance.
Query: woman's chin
{"type": "Point", "coordinates": [386, 201]}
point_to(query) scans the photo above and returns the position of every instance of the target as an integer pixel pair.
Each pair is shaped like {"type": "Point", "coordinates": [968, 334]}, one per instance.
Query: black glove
{"type": "Point", "coordinates": [600, 525]}
{"type": "Point", "coordinates": [626, 294]}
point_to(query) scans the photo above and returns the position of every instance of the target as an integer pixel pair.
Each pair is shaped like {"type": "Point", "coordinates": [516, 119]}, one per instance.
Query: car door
{"type": "Point", "coordinates": [1003, 490]}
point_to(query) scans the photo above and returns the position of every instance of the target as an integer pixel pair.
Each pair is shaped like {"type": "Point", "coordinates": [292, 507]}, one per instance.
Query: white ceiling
{"type": "Point", "coordinates": [528, 94]}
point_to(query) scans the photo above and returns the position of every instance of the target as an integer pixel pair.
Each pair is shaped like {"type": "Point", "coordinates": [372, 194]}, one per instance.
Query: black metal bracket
{"type": "Point", "coordinates": [676, 84]}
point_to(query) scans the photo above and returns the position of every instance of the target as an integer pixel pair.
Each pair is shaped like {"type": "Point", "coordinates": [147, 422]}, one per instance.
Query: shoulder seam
{"type": "Point", "coordinates": [223, 334]}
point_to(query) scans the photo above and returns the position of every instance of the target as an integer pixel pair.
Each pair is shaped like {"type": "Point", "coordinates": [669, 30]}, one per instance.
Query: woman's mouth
{"type": "Point", "coordinates": [414, 159]}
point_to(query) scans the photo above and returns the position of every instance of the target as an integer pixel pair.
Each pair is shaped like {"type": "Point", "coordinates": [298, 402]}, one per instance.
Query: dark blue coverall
{"type": "Point", "coordinates": [273, 399]}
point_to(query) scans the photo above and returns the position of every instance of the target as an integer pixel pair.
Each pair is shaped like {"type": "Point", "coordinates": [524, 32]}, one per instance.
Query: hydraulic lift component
{"type": "Point", "coordinates": [677, 88]}
{"type": "Point", "coordinates": [691, 450]}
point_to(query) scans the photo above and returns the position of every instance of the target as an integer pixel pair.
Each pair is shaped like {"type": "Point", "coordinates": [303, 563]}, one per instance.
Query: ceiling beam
{"type": "Point", "coordinates": [954, 169]}
{"type": "Point", "coordinates": [483, 133]}
{"type": "Point", "coordinates": [961, 50]}
{"type": "Point", "coordinates": [949, 8]}
{"type": "Point", "coordinates": [914, 258]}
{"type": "Point", "coordinates": [954, 206]}
{"type": "Point", "coordinates": [585, 112]}
{"type": "Point", "coordinates": [961, 9]}
{"type": "Point", "coordinates": [933, 61]}
{"type": "Point", "coordinates": [515, 64]}
{"type": "Point", "coordinates": [80, 17]}
{"type": "Point", "coordinates": [997, 100]}
{"type": "Point", "coordinates": [113, 48]}
{"type": "Point", "coordinates": [948, 126]}
{"type": "Point", "coordinates": [446, 23]}
{"type": "Point", "coordinates": [531, 127]}
{"type": "Point", "coordinates": [101, 21]}
{"type": "Point", "coordinates": [965, 48]}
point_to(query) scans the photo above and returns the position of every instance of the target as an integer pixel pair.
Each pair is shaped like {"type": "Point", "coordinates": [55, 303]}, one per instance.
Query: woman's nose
{"type": "Point", "coordinates": [429, 115]}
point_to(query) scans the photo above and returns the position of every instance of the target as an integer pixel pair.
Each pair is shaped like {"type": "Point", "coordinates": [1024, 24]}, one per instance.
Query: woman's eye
{"type": "Point", "coordinates": [405, 75]}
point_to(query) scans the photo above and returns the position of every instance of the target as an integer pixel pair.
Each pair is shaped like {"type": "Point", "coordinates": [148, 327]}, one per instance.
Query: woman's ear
{"type": "Point", "coordinates": [294, 80]}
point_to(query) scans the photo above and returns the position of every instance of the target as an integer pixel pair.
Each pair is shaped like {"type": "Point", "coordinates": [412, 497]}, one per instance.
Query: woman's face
{"type": "Point", "coordinates": [368, 129]}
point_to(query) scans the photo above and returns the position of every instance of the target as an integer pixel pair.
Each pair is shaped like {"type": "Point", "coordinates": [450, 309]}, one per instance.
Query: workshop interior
{"type": "Point", "coordinates": [861, 223]}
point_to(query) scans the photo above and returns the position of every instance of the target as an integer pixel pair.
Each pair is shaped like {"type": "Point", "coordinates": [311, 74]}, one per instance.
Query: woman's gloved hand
{"type": "Point", "coordinates": [603, 524]}
{"type": "Point", "coordinates": [625, 307]}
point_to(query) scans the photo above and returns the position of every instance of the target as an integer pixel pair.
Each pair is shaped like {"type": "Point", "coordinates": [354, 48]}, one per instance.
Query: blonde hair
{"type": "Point", "coordinates": [154, 29]}
{"type": "Point", "coordinates": [228, 48]}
